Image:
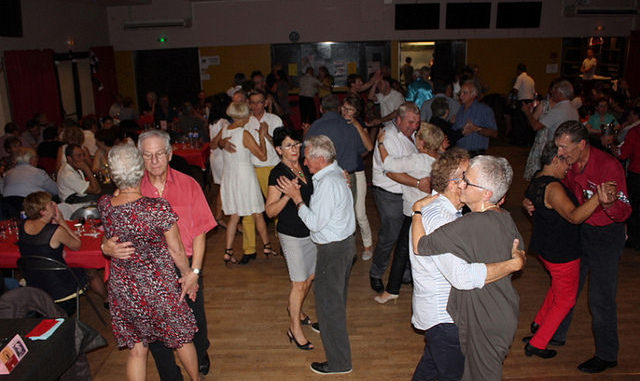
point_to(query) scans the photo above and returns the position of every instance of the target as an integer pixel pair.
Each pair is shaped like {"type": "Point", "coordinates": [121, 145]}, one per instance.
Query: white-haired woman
{"type": "Point", "coordinates": [146, 296]}
{"type": "Point", "coordinates": [487, 318]}
{"type": "Point", "coordinates": [239, 189]}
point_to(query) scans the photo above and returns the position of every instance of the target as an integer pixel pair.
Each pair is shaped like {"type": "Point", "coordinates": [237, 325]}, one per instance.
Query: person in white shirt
{"type": "Point", "coordinates": [588, 67]}
{"type": "Point", "coordinates": [76, 183]}
{"type": "Point", "coordinates": [262, 168]}
{"type": "Point", "coordinates": [387, 188]}
{"type": "Point", "coordinates": [330, 218]}
{"type": "Point", "coordinates": [309, 86]}
{"type": "Point", "coordinates": [429, 141]}
{"type": "Point", "coordinates": [434, 276]}
{"type": "Point", "coordinates": [524, 92]}
{"type": "Point", "coordinates": [388, 98]}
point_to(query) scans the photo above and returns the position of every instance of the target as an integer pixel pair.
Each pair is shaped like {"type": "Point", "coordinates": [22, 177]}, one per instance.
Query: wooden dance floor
{"type": "Point", "coordinates": [247, 319]}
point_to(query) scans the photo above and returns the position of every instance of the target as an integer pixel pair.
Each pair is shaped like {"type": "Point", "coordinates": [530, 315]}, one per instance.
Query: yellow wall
{"type": "Point", "coordinates": [125, 72]}
{"type": "Point", "coordinates": [234, 59]}
{"type": "Point", "coordinates": [497, 60]}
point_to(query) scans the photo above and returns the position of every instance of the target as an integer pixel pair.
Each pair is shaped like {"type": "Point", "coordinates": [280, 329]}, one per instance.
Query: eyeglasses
{"type": "Point", "coordinates": [158, 155]}
{"type": "Point", "coordinates": [466, 181]}
{"type": "Point", "coordinates": [455, 179]}
{"type": "Point", "coordinates": [348, 108]}
{"type": "Point", "coordinates": [290, 147]}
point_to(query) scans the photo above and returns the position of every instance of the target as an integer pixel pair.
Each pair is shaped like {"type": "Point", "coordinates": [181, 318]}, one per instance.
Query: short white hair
{"type": "Point", "coordinates": [494, 173]}
{"type": "Point", "coordinates": [320, 146]}
{"type": "Point", "coordinates": [23, 155]}
{"type": "Point", "coordinates": [126, 165]}
{"type": "Point", "coordinates": [158, 134]}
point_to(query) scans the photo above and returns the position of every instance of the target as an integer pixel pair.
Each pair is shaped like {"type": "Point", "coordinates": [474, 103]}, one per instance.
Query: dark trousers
{"type": "Point", "coordinates": [633, 223]}
{"type": "Point", "coordinates": [164, 357]}
{"type": "Point", "coordinates": [442, 358]}
{"type": "Point", "coordinates": [521, 132]}
{"type": "Point", "coordinates": [400, 258]}
{"type": "Point", "coordinates": [390, 210]}
{"type": "Point", "coordinates": [601, 250]}
{"type": "Point", "coordinates": [333, 268]}
{"type": "Point", "coordinates": [307, 109]}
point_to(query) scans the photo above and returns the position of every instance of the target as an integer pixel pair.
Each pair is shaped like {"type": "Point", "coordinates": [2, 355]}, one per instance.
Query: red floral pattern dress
{"type": "Point", "coordinates": [144, 292]}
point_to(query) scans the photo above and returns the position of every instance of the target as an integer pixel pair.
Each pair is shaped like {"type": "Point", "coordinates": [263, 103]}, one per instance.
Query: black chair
{"type": "Point", "coordinates": [35, 263]}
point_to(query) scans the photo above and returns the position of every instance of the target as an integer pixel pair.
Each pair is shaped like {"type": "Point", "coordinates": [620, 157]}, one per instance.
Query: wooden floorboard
{"type": "Point", "coordinates": [247, 320]}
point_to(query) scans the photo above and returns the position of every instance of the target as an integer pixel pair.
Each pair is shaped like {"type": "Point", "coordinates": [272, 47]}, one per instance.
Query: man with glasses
{"type": "Point", "coordinates": [195, 219]}
{"type": "Point", "coordinates": [476, 118]}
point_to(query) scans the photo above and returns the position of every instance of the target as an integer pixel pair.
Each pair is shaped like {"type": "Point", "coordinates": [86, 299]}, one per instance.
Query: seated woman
{"type": "Point", "coordinates": [46, 233]}
{"type": "Point", "coordinates": [147, 299]}
{"type": "Point", "coordinates": [556, 240]}
{"type": "Point", "coordinates": [295, 240]}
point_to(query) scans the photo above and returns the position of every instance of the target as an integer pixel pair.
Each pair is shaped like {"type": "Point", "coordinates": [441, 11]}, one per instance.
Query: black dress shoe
{"type": "Point", "coordinates": [204, 366]}
{"type": "Point", "coordinates": [246, 258]}
{"type": "Point", "coordinates": [554, 342]}
{"type": "Point", "coordinates": [376, 284]}
{"type": "Point", "coordinates": [534, 327]}
{"type": "Point", "coordinates": [323, 368]}
{"type": "Point", "coordinates": [530, 350]}
{"type": "Point", "coordinates": [596, 365]}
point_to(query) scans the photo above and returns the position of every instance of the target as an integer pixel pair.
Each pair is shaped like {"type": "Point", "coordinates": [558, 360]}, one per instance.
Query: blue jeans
{"type": "Point", "coordinates": [442, 358]}
{"type": "Point", "coordinates": [390, 210]}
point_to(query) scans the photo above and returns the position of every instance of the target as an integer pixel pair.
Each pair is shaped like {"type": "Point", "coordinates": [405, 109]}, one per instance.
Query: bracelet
{"type": "Point", "coordinates": [298, 204]}
{"type": "Point", "coordinates": [102, 247]}
{"type": "Point", "coordinates": [418, 183]}
{"type": "Point", "coordinates": [380, 144]}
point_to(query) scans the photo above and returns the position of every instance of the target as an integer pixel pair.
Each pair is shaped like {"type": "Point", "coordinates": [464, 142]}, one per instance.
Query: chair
{"type": "Point", "coordinates": [37, 263]}
{"type": "Point", "coordinates": [86, 212]}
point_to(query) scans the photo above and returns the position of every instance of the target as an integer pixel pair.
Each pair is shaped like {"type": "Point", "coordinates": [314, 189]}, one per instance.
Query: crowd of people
{"type": "Point", "coordinates": [437, 192]}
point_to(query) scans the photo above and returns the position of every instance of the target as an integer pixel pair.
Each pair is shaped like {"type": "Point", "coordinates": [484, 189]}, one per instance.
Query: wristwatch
{"type": "Point", "coordinates": [197, 271]}
{"type": "Point", "coordinates": [415, 213]}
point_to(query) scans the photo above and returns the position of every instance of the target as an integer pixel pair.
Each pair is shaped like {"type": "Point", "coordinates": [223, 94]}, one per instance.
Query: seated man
{"type": "Point", "coordinates": [25, 178]}
{"type": "Point", "coordinates": [76, 183]}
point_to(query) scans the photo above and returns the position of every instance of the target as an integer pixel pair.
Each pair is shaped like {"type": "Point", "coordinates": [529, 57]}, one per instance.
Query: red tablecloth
{"type": "Point", "coordinates": [89, 255]}
{"type": "Point", "coordinates": [193, 156]}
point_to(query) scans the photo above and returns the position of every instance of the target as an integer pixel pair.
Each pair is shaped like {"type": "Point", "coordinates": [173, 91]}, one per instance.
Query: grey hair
{"type": "Point", "coordinates": [474, 84]}
{"type": "Point", "coordinates": [126, 165]}
{"type": "Point", "coordinates": [158, 134]}
{"type": "Point", "coordinates": [238, 110]}
{"type": "Point", "coordinates": [408, 107]}
{"type": "Point", "coordinates": [321, 146]}
{"type": "Point", "coordinates": [565, 88]}
{"type": "Point", "coordinates": [23, 155]}
{"type": "Point", "coordinates": [494, 173]}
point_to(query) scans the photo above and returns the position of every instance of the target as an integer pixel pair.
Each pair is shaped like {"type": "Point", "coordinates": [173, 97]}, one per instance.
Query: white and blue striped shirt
{"type": "Point", "coordinates": [433, 276]}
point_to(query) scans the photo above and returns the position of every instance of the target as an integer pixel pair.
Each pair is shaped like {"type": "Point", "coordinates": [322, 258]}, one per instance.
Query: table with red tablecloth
{"type": "Point", "coordinates": [88, 256]}
{"type": "Point", "coordinates": [194, 156]}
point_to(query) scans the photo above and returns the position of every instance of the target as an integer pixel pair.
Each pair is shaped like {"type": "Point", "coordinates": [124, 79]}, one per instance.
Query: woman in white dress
{"type": "Point", "coordinates": [240, 191]}
{"type": "Point", "coordinates": [217, 121]}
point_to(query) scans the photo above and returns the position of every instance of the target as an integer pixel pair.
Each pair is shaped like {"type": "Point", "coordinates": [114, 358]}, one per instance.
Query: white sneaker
{"type": "Point", "coordinates": [367, 254]}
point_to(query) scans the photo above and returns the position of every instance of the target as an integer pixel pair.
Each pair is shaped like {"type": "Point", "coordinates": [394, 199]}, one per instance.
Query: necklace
{"type": "Point", "coordinates": [296, 172]}
{"type": "Point", "coordinates": [484, 209]}
{"type": "Point", "coordinates": [136, 192]}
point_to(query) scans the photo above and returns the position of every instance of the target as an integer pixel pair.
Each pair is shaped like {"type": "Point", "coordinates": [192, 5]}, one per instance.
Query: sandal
{"type": "Point", "coordinates": [228, 257]}
{"type": "Point", "coordinates": [268, 250]}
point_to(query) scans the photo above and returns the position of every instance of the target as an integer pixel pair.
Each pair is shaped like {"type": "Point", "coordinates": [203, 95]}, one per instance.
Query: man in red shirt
{"type": "Point", "coordinates": [194, 221]}
{"type": "Point", "coordinates": [602, 238]}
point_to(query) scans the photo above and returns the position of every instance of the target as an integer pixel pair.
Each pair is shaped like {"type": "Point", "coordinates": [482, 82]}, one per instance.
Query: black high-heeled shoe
{"type": "Point", "coordinates": [305, 347]}
{"type": "Point", "coordinates": [268, 250]}
{"type": "Point", "coordinates": [530, 350]}
{"type": "Point", "coordinates": [229, 253]}
{"type": "Point", "coordinates": [246, 258]}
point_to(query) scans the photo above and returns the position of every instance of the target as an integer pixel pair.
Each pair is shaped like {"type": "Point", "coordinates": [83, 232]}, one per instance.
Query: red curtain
{"type": "Point", "coordinates": [633, 63]}
{"type": "Point", "coordinates": [33, 86]}
{"type": "Point", "coordinates": [105, 84]}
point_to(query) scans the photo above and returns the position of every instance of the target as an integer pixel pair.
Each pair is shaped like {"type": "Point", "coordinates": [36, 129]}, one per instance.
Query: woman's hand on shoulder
{"type": "Point", "coordinates": [418, 205]}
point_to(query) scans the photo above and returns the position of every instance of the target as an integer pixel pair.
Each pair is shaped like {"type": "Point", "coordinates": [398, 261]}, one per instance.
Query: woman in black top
{"type": "Point", "coordinates": [294, 237]}
{"type": "Point", "coordinates": [556, 239]}
{"type": "Point", "coordinates": [46, 233]}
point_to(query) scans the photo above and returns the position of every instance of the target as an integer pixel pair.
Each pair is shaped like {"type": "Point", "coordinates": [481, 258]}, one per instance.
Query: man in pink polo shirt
{"type": "Point", "coordinates": [194, 221]}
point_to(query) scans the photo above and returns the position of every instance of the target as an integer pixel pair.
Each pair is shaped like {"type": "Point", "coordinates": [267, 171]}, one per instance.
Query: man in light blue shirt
{"type": "Point", "coordinates": [25, 178]}
{"type": "Point", "coordinates": [434, 276]}
{"type": "Point", "coordinates": [330, 218]}
{"type": "Point", "coordinates": [475, 117]}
